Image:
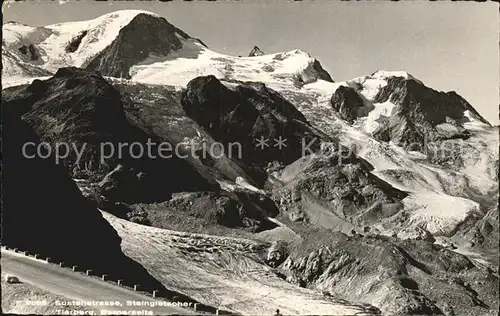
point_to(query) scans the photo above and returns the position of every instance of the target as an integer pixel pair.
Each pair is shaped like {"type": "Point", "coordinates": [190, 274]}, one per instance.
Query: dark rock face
{"type": "Point", "coordinates": [74, 105]}
{"type": "Point", "coordinates": [323, 74]}
{"type": "Point", "coordinates": [74, 44]}
{"type": "Point", "coordinates": [30, 51]}
{"type": "Point", "coordinates": [310, 75]}
{"type": "Point", "coordinates": [256, 51]}
{"type": "Point", "coordinates": [144, 35]}
{"type": "Point", "coordinates": [348, 103]}
{"type": "Point", "coordinates": [44, 212]}
{"type": "Point", "coordinates": [411, 277]}
{"type": "Point", "coordinates": [277, 254]}
{"type": "Point", "coordinates": [482, 235]}
{"type": "Point", "coordinates": [245, 115]}
{"type": "Point", "coordinates": [210, 212]}
{"type": "Point", "coordinates": [79, 108]}
{"type": "Point", "coordinates": [419, 112]}
{"type": "Point", "coordinates": [158, 109]}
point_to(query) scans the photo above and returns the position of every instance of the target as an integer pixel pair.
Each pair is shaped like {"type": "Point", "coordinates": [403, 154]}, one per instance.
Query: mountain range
{"type": "Point", "coordinates": [382, 198]}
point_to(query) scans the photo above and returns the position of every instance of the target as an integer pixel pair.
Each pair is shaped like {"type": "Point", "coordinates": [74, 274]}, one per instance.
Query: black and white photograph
{"type": "Point", "coordinates": [265, 157]}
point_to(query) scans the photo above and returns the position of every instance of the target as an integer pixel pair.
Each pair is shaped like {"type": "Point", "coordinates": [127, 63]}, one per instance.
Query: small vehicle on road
{"type": "Point", "coordinates": [11, 279]}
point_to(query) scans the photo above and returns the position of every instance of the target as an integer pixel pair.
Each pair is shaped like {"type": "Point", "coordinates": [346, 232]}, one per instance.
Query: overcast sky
{"type": "Point", "coordinates": [448, 45]}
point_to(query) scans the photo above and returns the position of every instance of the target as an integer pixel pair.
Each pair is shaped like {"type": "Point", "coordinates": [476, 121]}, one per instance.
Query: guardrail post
{"type": "Point", "coordinates": [154, 293]}
{"type": "Point", "coordinates": [16, 249]}
{"type": "Point", "coordinates": [36, 256]}
{"type": "Point", "coordinates": [61, 264]}
{"type": "Point", "coordinates": [104, 277]}
{"type": "Point", "coordinates": [25, 253]}
{"type": "Point", "coordinates": [47, 259]}
{"type": "Point", "coordinates": [88, 272]}
{"type": "Point", "coordinates": [120, 282]}
{"type": "Point", "coordinates": [136, 287]}
{"type": "Point", "coordinates": [74, 268]}
{"type": "Point", "coordinates": [216, 312]}
{"type": "Point", "coordinates": [195, 307]}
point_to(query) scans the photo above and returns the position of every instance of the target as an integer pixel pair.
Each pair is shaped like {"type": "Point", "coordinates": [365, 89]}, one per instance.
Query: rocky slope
{"type": "Point", "coordinates": [81, 110]}
{"type": "Point", "coordinates": [81, 117]}
{"type": "Point", "coordinates": [349, 104]}
{"type": "Point", "coordinates": [413, 110]}
{"type": "Point", "coordinates": [55, 220]}
{"type": "Point", "coordinates": [13, 65]}
{"type": "Point", "coordinates": [334, 193]}
{"type": "Point", "coordinates": [401, 278]}
{"type": "Point", "coordinates": [421, 114]}
{"type": "Point", "coordinates": [245, 113]}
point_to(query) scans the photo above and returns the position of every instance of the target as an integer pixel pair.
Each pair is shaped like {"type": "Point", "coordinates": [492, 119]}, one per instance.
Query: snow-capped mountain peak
{"type": "Point", "coordinates": [256, 51]}
{"type": "Point", "coordinates": [79, 43]}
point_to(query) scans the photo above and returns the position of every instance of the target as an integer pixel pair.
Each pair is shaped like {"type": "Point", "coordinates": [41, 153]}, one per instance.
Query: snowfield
{"type": "Point", "coordinates": [193, 60]}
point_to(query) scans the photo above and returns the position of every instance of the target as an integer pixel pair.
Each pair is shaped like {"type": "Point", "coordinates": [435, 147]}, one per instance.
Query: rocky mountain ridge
{"type": "Point", "coordinates": [55, 220]}
{"type": "Point", "coordinates": [256, 51]}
